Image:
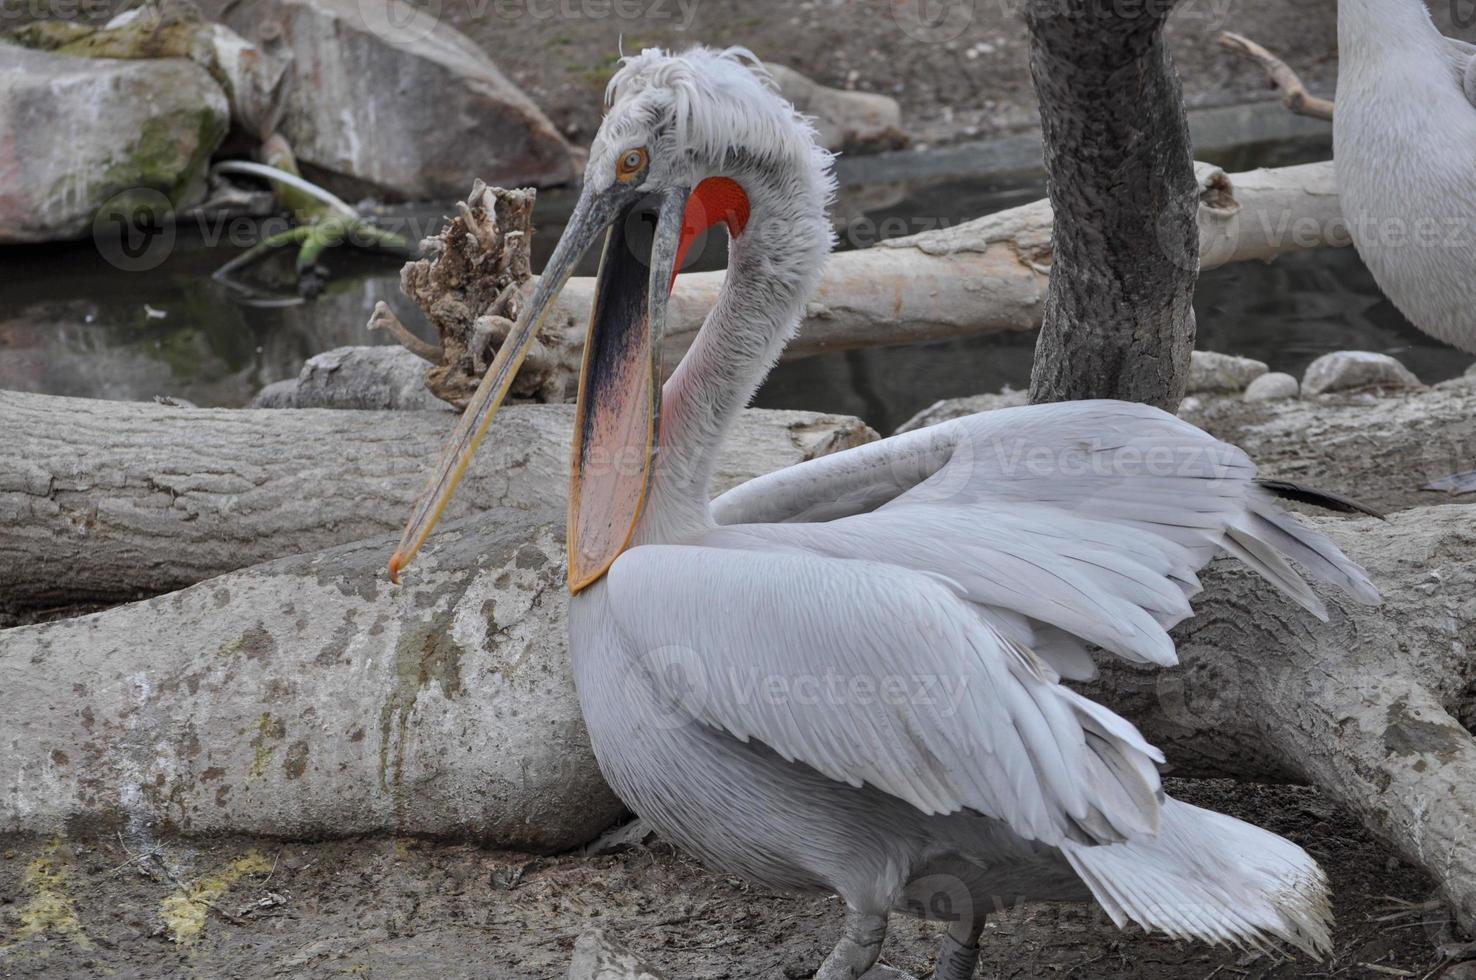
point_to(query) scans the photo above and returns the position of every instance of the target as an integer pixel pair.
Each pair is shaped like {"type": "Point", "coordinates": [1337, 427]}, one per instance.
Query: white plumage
{"type": "Point", "coordinates": [1404, 144]}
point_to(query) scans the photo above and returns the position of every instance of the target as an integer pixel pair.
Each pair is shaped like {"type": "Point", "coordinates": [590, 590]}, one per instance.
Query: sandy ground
{"type": "Point", "coordinates": [121, 907]}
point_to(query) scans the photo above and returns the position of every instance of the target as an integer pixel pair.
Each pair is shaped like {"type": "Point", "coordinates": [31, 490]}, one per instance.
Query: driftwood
{"type": "Point", "coordinates": [988, 275]}
{"type": "Point", "coordinates": [126, 500]}
{"type": "Point", "coordinates": [470, 288]}
{"type": "Point", "coordinates": [1294, 94]}
{"type": "Point", "coordinates": [983, 276]}
{"type": "Point", "coordinates": [1375, 707]}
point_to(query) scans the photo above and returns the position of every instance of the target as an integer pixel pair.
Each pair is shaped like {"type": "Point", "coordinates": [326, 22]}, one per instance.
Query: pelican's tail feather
{"type": "Point", "coordinates": [1211, 877]}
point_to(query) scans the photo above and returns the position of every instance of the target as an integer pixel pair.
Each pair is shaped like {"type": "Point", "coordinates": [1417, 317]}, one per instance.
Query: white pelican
{"type": "Point", "coordinates": [1404, 143]}
{"type": "Point", "coordinates": [868, 648]}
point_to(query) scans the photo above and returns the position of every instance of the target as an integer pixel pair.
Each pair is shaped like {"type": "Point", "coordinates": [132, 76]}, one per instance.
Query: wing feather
{"type": "Point", "coordinates": [1084, 521]}
{"type": "Point", "coordinates": [871, 673]}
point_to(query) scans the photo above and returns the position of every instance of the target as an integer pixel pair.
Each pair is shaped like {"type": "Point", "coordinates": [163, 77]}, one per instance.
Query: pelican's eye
{"type": "Point", "coordinates": [631, 164]}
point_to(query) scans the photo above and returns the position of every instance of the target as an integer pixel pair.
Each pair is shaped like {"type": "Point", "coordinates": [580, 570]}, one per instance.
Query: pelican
{"type": "Point", "coordinates": [846, 676]}
{"type": "Point", "coordinates": [1404, 142]}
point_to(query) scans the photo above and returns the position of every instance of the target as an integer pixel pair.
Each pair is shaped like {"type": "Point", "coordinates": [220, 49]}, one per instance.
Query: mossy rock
{"type": "Point", "coordinates": [138, 137]}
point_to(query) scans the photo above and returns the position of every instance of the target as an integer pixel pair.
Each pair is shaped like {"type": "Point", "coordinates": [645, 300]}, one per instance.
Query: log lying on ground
{"type": "Point", "coordinates": [1375, 707]}
{"type": "Point", "coordinates": [308, 697]}
{"type": "Point", "coordinates": [989, 275]}
{"type": "Point", "coordinates": [1379, 449]}
{"type": "Point", "coordinates": [112, 500]}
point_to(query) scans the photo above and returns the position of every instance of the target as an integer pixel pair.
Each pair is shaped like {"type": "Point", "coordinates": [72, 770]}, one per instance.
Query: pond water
{"type": "Point", "coordinates": [73, 323]}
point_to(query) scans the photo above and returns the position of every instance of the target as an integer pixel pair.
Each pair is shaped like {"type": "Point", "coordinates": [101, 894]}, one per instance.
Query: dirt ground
{"type": "Point", "coordinates": [122, 907]}
{"type": "Point", "coordinates": [959, 68]}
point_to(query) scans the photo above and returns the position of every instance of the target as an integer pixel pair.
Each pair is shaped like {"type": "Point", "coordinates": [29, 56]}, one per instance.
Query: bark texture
{"type": "Point", "coordinates": [1118, 318]}
{"type": "Point", "coordinates": [114, 500]}
{"type": "Point", "coordinates": [308, 698]}
{"type": "Point", "coordinates": [1374, 707]}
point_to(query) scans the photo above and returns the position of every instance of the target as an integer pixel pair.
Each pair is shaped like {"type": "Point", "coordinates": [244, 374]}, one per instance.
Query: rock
{"type": "Point", "coordinates": [87, 145]}
{"type": "Point", "coordinates": [1346, 369]}
{"type": "Point", "coordinates": [389, 100]}
{"type": "Point", "coordinates": [844, 120]}
{"type": "Point", "coordinates": [953, 408]}
{"type": "Point", "coordinates": [597, 958]}
{"type": "Point", "coordinates": [252, 80]}
{"type": "Point", "coordinates": [1272, 387]}
{"type": "Point", "coordinates": [1209, 371]}
{"type": "Point", "coordinates": [357, 378]}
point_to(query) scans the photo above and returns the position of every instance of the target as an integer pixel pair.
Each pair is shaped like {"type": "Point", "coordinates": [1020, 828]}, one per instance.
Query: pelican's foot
{"type": "Point", "coordinates": [860, 944]}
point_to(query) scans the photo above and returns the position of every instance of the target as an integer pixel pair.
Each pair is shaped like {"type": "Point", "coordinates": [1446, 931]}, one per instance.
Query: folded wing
{"type": "Point", "coordinates": [1065, 524]}
{"type": "Point", "coordinates": [880, 675]}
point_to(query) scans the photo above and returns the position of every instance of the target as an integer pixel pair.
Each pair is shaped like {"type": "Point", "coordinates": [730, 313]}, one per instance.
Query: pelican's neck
{"type": "Point", "coordinates": [773, 267]}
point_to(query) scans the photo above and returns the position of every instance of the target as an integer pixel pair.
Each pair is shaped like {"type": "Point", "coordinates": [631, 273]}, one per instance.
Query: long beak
{"type": "Point", "coordinates": [618, 416]}
{"type": "Point", "coordinates": [594, 213]}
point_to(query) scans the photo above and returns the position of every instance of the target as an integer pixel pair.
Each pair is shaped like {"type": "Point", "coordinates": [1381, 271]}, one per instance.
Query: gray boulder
{"type": "Point", "coordinates": [388, 377]}
{"type": "Point", "coordinates": [1209, 371]}
{"type": "Point", "coordinates": [844, 120]}
{"type": "Point", "coordinates": [92, 143]}
{"type": "Point", "coordinates": [953, 408]}
{"type": "Point", "coordinates": [1349, 369]}
{"type": "Point", "coordinates": [388, 100]}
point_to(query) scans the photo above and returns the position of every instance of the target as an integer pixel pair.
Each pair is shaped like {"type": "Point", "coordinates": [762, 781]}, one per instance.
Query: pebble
{"type": "Point", "coordinates": [1272, 387]}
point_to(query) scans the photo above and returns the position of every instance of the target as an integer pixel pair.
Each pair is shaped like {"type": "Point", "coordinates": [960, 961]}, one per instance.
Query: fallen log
{"type": "Point", "coordinates": [1375, 707]}
{"type": "Point", "coordinates": [987, 275]}
{"type": "Point", "coordinates": [109, 501]}
{"type": "Point", "coordinates": [1380, 449]}
{"type": "Point", "coordinates": [308, 697]}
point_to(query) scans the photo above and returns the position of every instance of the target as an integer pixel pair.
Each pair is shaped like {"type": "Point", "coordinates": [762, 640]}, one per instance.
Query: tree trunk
{"type": "Point", "coordinates": [109, 501]}
{"type": "Point", "coordinates": [1370, 707]}
{"type": "Point", "coordinates": [1119, 320]}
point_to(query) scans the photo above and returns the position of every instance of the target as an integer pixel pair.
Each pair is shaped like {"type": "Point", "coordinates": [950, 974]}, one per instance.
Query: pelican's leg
{"type": "Point", "coordinates": [959, 954]}
{"type": "Point", "coordinates": [859, 946]}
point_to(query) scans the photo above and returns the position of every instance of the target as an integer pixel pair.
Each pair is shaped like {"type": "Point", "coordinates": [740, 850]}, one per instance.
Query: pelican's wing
{"type": "Point", "coordinates": [875, 674]}
{"type": "Point", "coordinates": [1463, 60]}
{"type": "Point", "coordinates": [1078, 521]}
